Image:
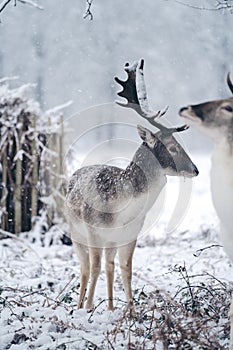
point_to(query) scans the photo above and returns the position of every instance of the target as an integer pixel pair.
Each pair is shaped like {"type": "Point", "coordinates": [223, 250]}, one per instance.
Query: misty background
{"type": "Point", "coordinates": [187, 53]}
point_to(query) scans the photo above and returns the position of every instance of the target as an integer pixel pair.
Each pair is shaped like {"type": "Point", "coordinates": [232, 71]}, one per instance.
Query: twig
{"type": "Point", "coordinates": [64, 288]}
{"type": "Point", "coordinates": [11, 235]}
{"type": "Point", "coordinates": [109, 342]}
{"type": "Point", "coordinates": [199, 251]}
{"type": "Point", "coordinates": [183, 271]}
{"type": "Point", "coordinates": [218, 6]}
{"type": "Point", "coordinates": [8, 304]}
{"type": "Point", "coordinates": [88, 12]}
{"type": "Point", "coordinates": [95, 308]}
{"type": "Point", "coordinates": [60, 346]}
{"type": "Point", "coordinates": [34, 292]}
{"type": "Point", "coordinates": [194, 286]}
{"type": "Point", "coordinates": [218, 280]}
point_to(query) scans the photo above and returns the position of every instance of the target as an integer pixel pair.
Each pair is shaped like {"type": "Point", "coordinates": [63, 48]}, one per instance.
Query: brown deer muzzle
{"type": "Point", "coordinates": [191, 113]}
{"type": "Point", "coordinates": [203, 112]}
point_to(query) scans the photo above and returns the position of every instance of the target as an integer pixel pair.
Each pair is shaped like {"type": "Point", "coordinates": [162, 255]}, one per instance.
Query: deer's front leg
{"type": "Point", "coordinates": [83, 255]}
{"type": "Point", "coordinates": [110, 254]}
{"type": "Point", "coordinates": [125, 259]}
{"type": "Point", "coordinates": [95, 267]}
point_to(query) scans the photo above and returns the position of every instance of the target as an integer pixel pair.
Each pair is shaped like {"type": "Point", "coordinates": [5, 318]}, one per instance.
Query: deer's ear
{"type": "Point", "coordinates": [146, 135]}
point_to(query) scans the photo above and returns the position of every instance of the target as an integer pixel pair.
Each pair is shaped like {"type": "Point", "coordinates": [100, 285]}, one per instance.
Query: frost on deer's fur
{"type": "Point", "coordinates": [107, 206]}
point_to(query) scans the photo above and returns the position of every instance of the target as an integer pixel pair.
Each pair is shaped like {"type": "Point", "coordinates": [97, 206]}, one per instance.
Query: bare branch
{"type": "Point", "coordinates": [58, 108]}
{"type": "Point", "coordinates": [199, 251]}
{"type": "Point", "coordinates": [31, 3]}
{"type": "Point", "coordinates": [219, 5]}
{"type": "Point", "coordinates": [4, 4]}
{"type": "Point", "coordinates": [88, 12]}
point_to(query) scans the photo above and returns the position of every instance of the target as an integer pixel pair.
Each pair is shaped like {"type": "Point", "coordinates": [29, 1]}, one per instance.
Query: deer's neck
{"type": "Point", "coordinates": [223, 151]}
{"type": "Point", "coordinates": [145, 170]}
{"type": "Point", "coordinates": [222, 182]}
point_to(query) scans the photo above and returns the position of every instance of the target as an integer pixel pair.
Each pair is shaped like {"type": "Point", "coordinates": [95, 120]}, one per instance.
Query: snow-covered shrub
{"type": "Point", "coordinates": [30, 160]}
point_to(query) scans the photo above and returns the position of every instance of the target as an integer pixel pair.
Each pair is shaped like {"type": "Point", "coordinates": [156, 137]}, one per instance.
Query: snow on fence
{"type": "Point", "coordinates": [31, 161]}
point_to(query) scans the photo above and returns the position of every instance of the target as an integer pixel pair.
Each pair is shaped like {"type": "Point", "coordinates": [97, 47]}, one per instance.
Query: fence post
{"type": "Point", "coordinates": [18, 180]}
{"type": "Point", "coordinates": [4, 181]}
{"type": "Point", "coordinates": [35, 172]}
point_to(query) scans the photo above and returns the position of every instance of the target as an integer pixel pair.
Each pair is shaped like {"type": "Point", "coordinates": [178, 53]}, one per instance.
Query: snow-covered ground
{"type": "Point", "coordinates": [40, 284]}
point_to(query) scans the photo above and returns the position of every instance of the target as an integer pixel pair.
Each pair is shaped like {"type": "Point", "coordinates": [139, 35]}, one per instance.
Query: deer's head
{"type": "Point", "coordinates": [215, 118]}
{"type": "Point", "coordinates": [167, 150]}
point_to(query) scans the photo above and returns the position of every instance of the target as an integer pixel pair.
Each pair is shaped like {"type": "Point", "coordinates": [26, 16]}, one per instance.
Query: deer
{"type": "Point", "coordinates": [215, 119]}
{"type": "Point", "coordinates": [107, 205]}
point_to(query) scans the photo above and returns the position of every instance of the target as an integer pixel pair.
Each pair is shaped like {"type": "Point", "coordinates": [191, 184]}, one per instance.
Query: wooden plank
{"type": "Point", "coordinates": [48, 172]}
{"type": "Point", "coordinates": [35, 174]}
{"type": "Point", "coordinates": [4, 190]}
{"type": "Point", "coordinates": [18, 181]}
{"type": "Point", "coordinates": [4, 183]}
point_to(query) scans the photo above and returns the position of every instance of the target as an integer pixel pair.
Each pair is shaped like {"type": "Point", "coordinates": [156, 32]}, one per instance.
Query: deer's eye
{"type": "Point", "coordinates": [172, 149]}
{"type": "Point", "coordinates": [228, 108]}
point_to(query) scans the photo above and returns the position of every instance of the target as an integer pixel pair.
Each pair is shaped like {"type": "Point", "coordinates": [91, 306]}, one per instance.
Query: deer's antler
{"type": "Point", "coordinates": [229, 82]}
{"type": "Point", "coordinates": [134, 90]}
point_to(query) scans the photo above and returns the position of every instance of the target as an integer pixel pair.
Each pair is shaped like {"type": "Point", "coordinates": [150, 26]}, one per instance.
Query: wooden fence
{"type": "Point", "coordinates": [31, 165]}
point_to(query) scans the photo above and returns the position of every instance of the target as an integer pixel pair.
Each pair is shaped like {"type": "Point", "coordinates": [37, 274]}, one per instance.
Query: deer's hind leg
{"type": "Point", "coordinates": [83, 255]}
{"type": "Point", "coordinates": [110, 254]}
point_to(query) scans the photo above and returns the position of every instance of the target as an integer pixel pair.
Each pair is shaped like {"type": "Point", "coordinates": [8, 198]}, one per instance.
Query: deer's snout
{"type": "Point", "coordinates": [192, 113]}
{"type": "Point", "coordinates": [186, 112]}
{"type": "Point", "coordinates": [182, 110]}
{"type": "Point", "coordinates": [195, 170]}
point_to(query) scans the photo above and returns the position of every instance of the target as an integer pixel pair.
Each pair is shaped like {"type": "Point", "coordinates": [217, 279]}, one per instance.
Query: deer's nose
{"type": "Point", "coordinates": [183, 109]}
{"type": "Point", "coordinates": [196, 171]}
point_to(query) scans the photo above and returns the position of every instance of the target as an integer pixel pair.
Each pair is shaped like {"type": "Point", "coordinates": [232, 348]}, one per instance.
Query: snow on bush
{"type": "Point", "coordinates": [30, 159]}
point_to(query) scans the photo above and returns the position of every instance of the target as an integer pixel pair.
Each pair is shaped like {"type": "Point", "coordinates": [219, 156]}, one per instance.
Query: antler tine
{"type": "Point", "coordinates": [136, 97]}
{"type": "Point", "coordinates": [129, 88]}
{"type": "Point", "coordinates": [229, 82]}
{"type": "Point", "coordinates": [162, 113]}
{"type": "Point", "coordinates": [134, 91]}
{"type": "Point", "coordinates": [166, 130]}
{"type": "Point", "coordinates": [178, 129]}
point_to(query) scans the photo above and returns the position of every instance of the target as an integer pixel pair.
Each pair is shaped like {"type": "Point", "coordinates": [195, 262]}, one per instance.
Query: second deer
{"type": "Point", "coordinates": [107, 205]}
{"type": "Point", "coordinates": [215, 119]}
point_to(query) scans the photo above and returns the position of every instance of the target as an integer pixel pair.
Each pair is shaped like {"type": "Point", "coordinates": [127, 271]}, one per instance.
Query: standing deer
{"type": "Point", "coordinates": [215, 119]}
{"type": "Point", "coordinates": [107, 205]}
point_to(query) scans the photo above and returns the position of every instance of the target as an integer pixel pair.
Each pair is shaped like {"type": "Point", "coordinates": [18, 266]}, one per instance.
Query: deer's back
{"type": "Point", "coordinates": [99, 193]}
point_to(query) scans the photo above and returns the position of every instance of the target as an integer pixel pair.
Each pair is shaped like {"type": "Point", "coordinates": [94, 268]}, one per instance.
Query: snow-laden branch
{"type": "Point", "coordinates": [56, 109]}
{"type": "Point", "coordinates": [31, 3]}
{"type": "Point", "coordinates": [5, 79]}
